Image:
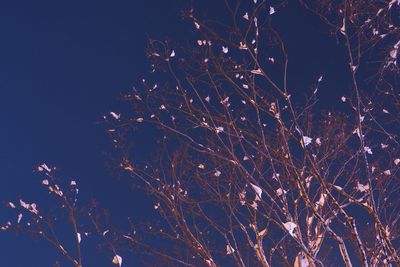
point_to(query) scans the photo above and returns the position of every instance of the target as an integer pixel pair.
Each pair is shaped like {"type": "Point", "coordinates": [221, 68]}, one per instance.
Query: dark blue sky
{"type": "Point", "coordinates": [63, 65]}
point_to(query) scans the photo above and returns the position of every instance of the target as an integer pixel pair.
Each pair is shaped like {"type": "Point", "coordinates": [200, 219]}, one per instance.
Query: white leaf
{"type": "Point", "coordinates": [197, 25]}
{"type": "Point", "coordinates": [257, 71]}
{"type": "Point", "coordinates": [225, 101]}
{"type": "Point", "coordinates": [387, 172]}
{"type": "Point", "coordinates": [172, 53]}
{"type": "Point", "coordinates": [23, 204]}
{"type": "Point", "coordinates": [318, 141]}
{"type": "Point", "coordinates": [43, 167]}
{"type": "Point", "coordinates": [275, 176]}
{"type": "Point", "coordinates": [396, 161]}
{"type": "Point", "coordinates": [321, 200]}
{"type": "Point", "coordinates": [362, 188]}
{"type": "Point", "coordinates": [128, 237]}
{"type": "Point", "coordinates": [139, 119]}
{"type": "Point", "coordinates": [393, 53]}
{"type": "Point", "coordinates": [246, 16]}
{"type": "Point", "coordinates": [280, 192]}
{"type": "Point", "coordinates": [368, 150]}
{"type": "Point", "coordinates": [308, 181]}
{"type": "Point", "coordinates": [225, 49]}
{"type": "Point", "coordinates": [117, 260]}
{"type": "Point", "coordinates": [343, 28]}
{"type": "Point", "coordinates": [115, 115]}
{"type": "Point", "coordinates": [201, 166]}
{"type": "Point", "coordinates": [229, 250]}
{"type": "Point", "coordinates": [78, 236]}
{"type": "Point", "coordinates": [338, 187]}
{"type": "Point", "coordinates": [385, 111]}
{"type": "Point", "coordinates": [257, 190]}
{"type": "Point", "coordinates": [307, 140]}
{"type": "Point", "coordinates": [357, 131]}
{"type": "Point", "coordinates": [271, 10]}
{"type": "Point", "coordinates": [217, 173]}
{"type": "Point", "coordinates": [219, 129]}
{"type": "Point", "coordinates": [207, 99]}
{"type": "Point", "coordinates": [343, 98]}
{"type": "Point", "coordinates": [105, 232]}
{"type": "Point", "coordinates": [19, 218]}
{"type": "Point", "coordinates": [263, 232]}
{"type": "Point", "coordinates": [301, 261]}
{"type": "Point", "coordinates": [13, 206]}
{"type": "Point", "coordinates": [290, 226]}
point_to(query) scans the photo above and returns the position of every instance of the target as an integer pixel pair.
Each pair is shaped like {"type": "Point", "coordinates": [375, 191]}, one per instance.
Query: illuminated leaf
{"type": "Point", "coordinates": [257, 71]}
{"type": "Point", "coordinates": [307, 140]}
{"type": "Point", "coordinates": [290, 226]}
{"type": "Point", "coordinates": [43, 167]}
{"type": "Point", "coordinates": [343, 28]}
{"type": "Point", "coordinates": [280, 192]}
{"type": "Point", "coordinates": [229, 249]}
{"type": "Point", "coordinates": [115, 115]}
{"type": "Point", "coordinates": [318, 141]}
{"type": "Point", "coordinates": [387, 172]}
{"type": "Point", "coordinates": [271, 10]}
{"type": "Point", "coordinates": [362, 188]}
{"type": "Point", "coordinates": [219, 129]}
{"type": "Point", "coordinates": [368, 150]}
{"type": "Point", "coordinates": [117, 260]}
{"type": "Point", "coordinates": [257, 189]}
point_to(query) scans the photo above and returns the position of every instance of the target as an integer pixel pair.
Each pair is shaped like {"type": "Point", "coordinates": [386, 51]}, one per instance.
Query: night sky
{"type": "Point", "coordinates": [63, 64]}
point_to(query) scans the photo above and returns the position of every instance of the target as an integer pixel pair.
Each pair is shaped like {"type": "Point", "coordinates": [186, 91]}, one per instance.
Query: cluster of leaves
{"type": "Point", "coordinates": [241, 173]}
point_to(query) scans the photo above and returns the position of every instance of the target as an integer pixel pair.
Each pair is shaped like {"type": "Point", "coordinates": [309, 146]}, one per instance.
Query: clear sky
{"type": "Point", "coordinates": [63, 65]}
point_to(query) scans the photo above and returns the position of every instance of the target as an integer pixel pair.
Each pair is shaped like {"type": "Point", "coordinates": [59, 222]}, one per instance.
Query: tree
{"type": "Point", "coordinates": [245, 172]}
